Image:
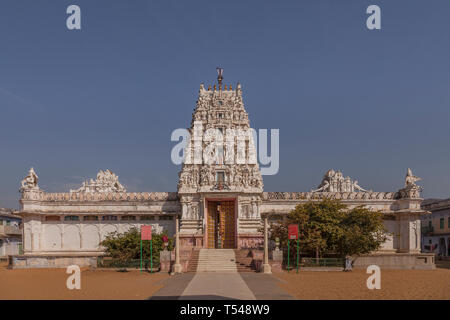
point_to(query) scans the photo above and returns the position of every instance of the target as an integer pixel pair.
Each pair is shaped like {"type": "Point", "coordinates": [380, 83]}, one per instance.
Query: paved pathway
{"type": "Point", "coordinates": [221, 286]}
{"type": "Point", "coordinates": [265, 286]}
{"type": "Point", "coordinates": [212, 286]}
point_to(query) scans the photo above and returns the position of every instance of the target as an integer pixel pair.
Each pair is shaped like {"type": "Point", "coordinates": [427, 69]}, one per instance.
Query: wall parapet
{"type": "Point", "coordinates": [110, 196]}
{"type": "Point", "coordinates": [329, 195]}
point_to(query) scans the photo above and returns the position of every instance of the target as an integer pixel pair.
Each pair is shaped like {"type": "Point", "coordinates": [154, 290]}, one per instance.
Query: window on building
{"type": "Point", "coordinates": [430, 224]}
{"type": "Point", "coordinates": [147, 218]}
{"type": "Point", "coordinates": [220, 176]}
{"type": "Point", "coordinates": [429, 241]}
{"type": "Point", "coordinates": [166, 218]}
{"type": "Point", "coordinates": [1, 222]}
{"type": "Point", "coordinates": [109, 218]}
{"type": "Point", "coordinates": [8, 222]}
{"type": "Point", "coordinates": [448, 223]}
{"type": "Point", "coordinates": [71, 218]}
{"type": "Point", "coordinates": [441, 223]}
{"type": "Point", "coordinates": [90, 218]}
{"type": "Point", "coordinates": [128, 218]}
{"type": "Point", "coordinates": [52, 218]}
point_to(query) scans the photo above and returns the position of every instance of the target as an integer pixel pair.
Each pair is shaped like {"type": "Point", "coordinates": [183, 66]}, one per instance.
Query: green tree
{"type": "Point", "coordinates": [329, 226]}
{"type": "Point", "coordinates": [363, 231]}
{"type": "Point", "coordinates": [127, 246]}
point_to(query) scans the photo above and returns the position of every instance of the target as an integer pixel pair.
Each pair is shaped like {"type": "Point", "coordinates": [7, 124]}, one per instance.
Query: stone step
{"type": "Point", "coordinates": [217, 264]}
{"type": "Point", "coordinates": [193, 261]}
{"type": "Point", "coordinates": [216, 260]}
{"type": "Point", "coordinates": [216, 270]}
{"type": "Point", "coordinates": [220, 263]}
{"type": "Point", "coordinates": [216, 267]}
{"type": "Point", "coordinates": [219, 257]}
{"type": "Point", "coordinates": [220, 260]}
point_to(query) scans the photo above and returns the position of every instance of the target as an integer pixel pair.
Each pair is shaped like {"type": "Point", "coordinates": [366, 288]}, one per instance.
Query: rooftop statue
{"type": "Point", "coordinates": [411, 189]}
{"type": "Point", "coordinates": [334, 181]}
{"type": "Point", "coordinates": [411, 179]}
{"type": "Point", "coordinates": [30, 182]}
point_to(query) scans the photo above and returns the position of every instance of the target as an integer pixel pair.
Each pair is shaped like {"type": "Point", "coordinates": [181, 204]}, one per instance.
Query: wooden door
{"type": "Point", "coordinates": [225, 221]}
{"type": "Point", "coordinates": [212, 220]}
{"type": "Point", "coordinates": [228, 224]}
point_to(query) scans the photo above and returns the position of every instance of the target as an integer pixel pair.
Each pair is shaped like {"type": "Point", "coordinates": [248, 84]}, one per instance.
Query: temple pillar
{"type": "Point", "coordinates": [177, 266]}
{"type": "Point", "coordinates": [266, 266]}
{"type": "Point", "coordinates": [409, 232]}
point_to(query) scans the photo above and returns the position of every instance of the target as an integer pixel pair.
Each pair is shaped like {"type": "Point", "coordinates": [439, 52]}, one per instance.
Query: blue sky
{"type": "Point", "coordinates": [370, 103]}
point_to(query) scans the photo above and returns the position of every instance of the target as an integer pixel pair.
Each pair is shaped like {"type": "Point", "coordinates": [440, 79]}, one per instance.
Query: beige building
{"type": "Point", "coordinates": [10, 233]}
{"type": "Point", "coordinates": [436, 227]}
{"type": "Point", "coordinates": [221, 202]}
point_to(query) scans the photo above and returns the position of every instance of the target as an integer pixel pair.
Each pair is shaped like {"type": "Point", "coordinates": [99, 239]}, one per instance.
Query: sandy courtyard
{"type": "Point", "coordinates": [106, 285]}
{"type": "Point", "coordinates": [51, 284]}
{"type": "Point", "coordinates": [395, 284]}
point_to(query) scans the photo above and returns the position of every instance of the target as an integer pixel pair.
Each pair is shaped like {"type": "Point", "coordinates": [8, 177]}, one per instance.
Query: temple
{"type": "Point", "coordinates": [219, 203]}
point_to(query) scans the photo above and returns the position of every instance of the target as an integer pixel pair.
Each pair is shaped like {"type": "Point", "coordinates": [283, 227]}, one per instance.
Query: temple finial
{"type": "Point", "coordinates": [219, 76]}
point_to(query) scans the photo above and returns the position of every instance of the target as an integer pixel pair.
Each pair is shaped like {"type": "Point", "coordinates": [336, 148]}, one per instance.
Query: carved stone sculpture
{"type": "Point", "coordinates": [106, 182]}
{"type": "Point", "coordinates": [411, 179]}
{"type": "Point", "coordinates": [411, 190]}
{"type": "Point", "coordinates": [356, 187]}
{"type": "Point", "coordinates": [30, 182]}
{"type": "Point", "coordinates": [334, 181]}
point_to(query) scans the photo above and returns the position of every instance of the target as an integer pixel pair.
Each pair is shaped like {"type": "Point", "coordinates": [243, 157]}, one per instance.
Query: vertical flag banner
{"type": "Point", "coordinates": [293, 235]}
{"type": "Point", "coordinates": [293, 231]}
{"type": "Point", "coordinates": [146, 235]}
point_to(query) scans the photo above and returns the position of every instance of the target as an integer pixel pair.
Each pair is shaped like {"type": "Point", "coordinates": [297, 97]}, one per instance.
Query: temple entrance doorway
{"type": "Point", "coordinates": [221, 224]}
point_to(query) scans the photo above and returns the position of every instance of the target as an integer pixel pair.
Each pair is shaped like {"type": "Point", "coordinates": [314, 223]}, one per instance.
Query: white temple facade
{"type": "Point", "coordinates": [220, 198]}
{"type": "Point", "coordinates": [76, 222]}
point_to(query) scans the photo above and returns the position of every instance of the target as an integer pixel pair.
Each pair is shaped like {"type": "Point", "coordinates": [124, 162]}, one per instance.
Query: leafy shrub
{"type": "Point", "coordinates": [127, 246]}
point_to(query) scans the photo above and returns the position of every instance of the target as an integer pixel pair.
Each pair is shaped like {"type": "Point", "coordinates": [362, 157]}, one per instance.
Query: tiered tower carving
{"type": "Point", "coordinates": [220, 161]}
{"type": "Point", "coordinates": [220, 131]}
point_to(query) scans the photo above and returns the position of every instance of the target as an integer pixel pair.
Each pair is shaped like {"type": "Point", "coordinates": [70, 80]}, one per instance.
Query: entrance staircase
{"type": "Point", "coordinates": [216, 260]}
{"type": "Point", "coordinates": [220, 260]}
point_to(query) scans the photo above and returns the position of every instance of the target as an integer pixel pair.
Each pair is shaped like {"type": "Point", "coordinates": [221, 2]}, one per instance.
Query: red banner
{"type": "Point", "coordinates": [146, 232]}
{"type": "Point", "coordinates": [293, 231]}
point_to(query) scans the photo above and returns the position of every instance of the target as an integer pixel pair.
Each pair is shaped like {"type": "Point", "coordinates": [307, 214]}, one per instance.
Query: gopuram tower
{"type": "Point", "coordinates": [220, 185]}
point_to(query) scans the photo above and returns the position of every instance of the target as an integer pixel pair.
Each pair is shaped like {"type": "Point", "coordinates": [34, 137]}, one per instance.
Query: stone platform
{"type": "Point", "coordinates": [418, 261]}
{"type": "Point", "coordinates": [51, 261]}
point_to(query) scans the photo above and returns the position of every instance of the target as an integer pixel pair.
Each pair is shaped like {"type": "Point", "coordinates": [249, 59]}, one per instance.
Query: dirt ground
{"type": "Point", "coordinates": [51, 284]}
{"type": "Point", "coordinates": [113, 285]}
{"type": "Point", "coordinates": [395, 284]}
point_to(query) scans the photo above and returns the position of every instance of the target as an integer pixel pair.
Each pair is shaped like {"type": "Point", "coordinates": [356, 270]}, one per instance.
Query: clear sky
{"type": "Point", "coordinates": [368, 102]}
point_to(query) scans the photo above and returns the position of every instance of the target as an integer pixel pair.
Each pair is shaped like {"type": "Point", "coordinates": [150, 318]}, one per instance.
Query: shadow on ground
{"type": "Point", "coordinates": [202, 297]}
